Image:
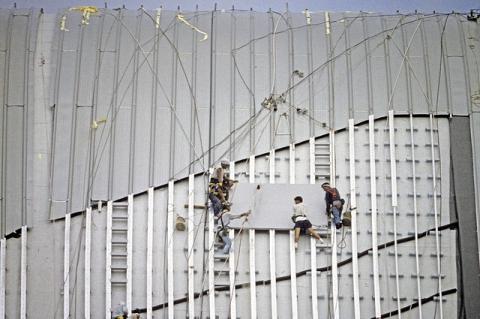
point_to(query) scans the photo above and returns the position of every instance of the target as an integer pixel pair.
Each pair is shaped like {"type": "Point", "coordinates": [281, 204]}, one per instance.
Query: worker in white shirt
{"type": "Point", "coordinates": [302, 224]}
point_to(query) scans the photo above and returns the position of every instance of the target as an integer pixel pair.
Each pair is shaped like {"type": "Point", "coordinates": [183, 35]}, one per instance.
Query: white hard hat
{"type": "Point", "coordinates": [225, 162]}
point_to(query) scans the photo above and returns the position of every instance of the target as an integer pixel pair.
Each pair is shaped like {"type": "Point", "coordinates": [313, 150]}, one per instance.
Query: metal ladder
{"type": "Point", "coordinates": [119, 235]}
{"type": "Point", "coordinates": [322, 161]}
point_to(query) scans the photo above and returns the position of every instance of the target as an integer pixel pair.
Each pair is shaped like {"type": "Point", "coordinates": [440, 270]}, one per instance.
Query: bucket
{"type": "Point", "coordinates": [180, 223]}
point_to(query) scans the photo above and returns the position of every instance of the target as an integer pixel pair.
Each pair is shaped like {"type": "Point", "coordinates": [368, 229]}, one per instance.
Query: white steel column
{"type": "Point", "coordinates": [273, 278]}
{"type": "Point", "coordinates": [251, 236]}
{"type": "Point", "coordinates": [393, 175]}
{"type": "Point", "coordinates": [353, 211]}
{"type": "Point", "coordinates": [23, 275]}
{"type": "Point", "coordinates": [313, 242]}
{"type": "Point", "coordinates": [88, 249]}
{"type": "Point", "coordinates": [170, 249]}
{"type": "Point", "coordinates": [293, 268]}
{"type": "Point", "coordinates": [292, 164]}
{"type": "Point", "coordinates": [211, 273]}
{"type": "Point", "coordinates": [3, 255]}
{"type": "Point", "coordinates": [66, 269]}
{"type": "Point", "coordinates": [415, 219]}
{"type": "Point", "coordinates": [312, 160]}
{"type": "Point", "coordinates": [271, 166]}
{"type": "Point", "coordinates": [293, 275]}
{"type": "Point", "coordinates": [373, 200]}
{"type": "Point", "coordinates": [191, 239]}
{"type": "Point", "coordinates": [231, 262]}
{"type": "Point", "coordinates": [149, 252]}
{"type": "Point", "coordinates": [336, 310]}
{"type": "Point", "coordinates": [108, 262]}
{"type": "Point", "coordinates": [129, 253]}
{"type": "Point", "coordinates": [435, 211]}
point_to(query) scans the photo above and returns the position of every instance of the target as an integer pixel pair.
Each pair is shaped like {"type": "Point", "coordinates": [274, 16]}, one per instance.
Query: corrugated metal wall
{"type": "Point", "coordinates": [17, 44]}
{"type": "Point", "coordinates": [160, 88]}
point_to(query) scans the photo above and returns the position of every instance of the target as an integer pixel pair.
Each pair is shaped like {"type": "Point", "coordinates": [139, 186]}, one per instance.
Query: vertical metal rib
{"type": "Point", "coordinates": [23, 274]}
{"type": "Point", "coordinates": [353, 211]}
{"type": "Point", "coordinates": [393, 178]}
{"type": "Point", "coordinates": [66, 269]}
{"type": "Point", "coordinates": [73, 127]}
{"type": "Point", "coordinates": [233, 35]}
{"type": "Point", "coordinates": [415, 218]}
{"type": "Point", "coordinates": [91, 149]}
{"type": "Point", "coordinates": [134, 104]}
{"type": "Point", "coordinates": [435, 211]}
{"type": "Point", "coordinates": [252, 82]}
{"type": "Point", "coordinates": [116, 83]}
{"type": "Point", "coordinates": [6, 76]}
{"type": "Point", "coordinates": [373, 198]}
{"type": "Point", "coordinates": [26, 126]}
{"type": "Point", "coordinates": [154, 106]}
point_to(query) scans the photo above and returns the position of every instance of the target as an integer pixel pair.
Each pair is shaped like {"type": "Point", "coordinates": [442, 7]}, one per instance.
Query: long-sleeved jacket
{"type": "Point", "coordinates": [330, 196]}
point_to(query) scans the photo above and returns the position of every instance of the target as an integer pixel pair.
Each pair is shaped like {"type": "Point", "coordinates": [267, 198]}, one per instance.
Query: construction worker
{"type": "Point", "coordinates": [219, 186]}
{"type": "Point", "coordinates": [302, 224]}
{"type": "Point", "coordinates": [120, 311]}
{"type": "Point", "coordinates": [334, 204]}
{"type": "Point", "coordinates": [222, 227]}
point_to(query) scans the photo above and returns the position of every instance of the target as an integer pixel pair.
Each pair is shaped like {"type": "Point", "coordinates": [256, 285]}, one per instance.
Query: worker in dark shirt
{"type": "Point", "coordinates": [334, 203]}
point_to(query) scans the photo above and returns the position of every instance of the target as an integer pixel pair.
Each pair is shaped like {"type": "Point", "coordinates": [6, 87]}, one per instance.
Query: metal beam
{"type": "Point", "coordinates": [130, 254]}
{"type": "Point", "coordinates": [231, 263]}
{"type": "Point", "coordinates": [3, 255]}
{"type": "Point", "coordinates": [251, 237]}
{"type": "Point", "coordinates": [293, 275]}
{"type": "Point", "coordinates": [211, 273]}
{"type": "Point", "coordinates": [333, 230]}
{"type": "Point", "coordinates": [313, 266]}
{"type": "Point", "coordinates": [313, 242]}
{"type": "Point", "coordinates": [108, 261]}
{"type": "Point", "coordinates": [292, 164]}
{"type": "Point", "coordinates": [393, 175]}
{"type": "Point", "coordinates": [415, 218]}
{"type": "Point", "coordinates": [273, 276]}
{"type": "Point", "coordinates": [150, 252]}
{"type": "Point", "coordinates": [170, 249]}
{"type": "Point", "coordinates": [353, 212]}
{"type": "Point", "coordinates": [271, 166]}
{"type": "Point", "coordinates": [191, 242]}
{"type": "Point", "coordinates": [23, 275]}
{"type": "Point", "coordinates": [253, 291]}
{"type": "Point", "coordinates": [435, 211]}
{"type": "Point", "coordinates": [373, 200]}
{"type": "Point", "coordinates": [88, 249]}
{"type": "Point", "coordinates": [66, 269]}
{"type": "Point", "coordinates": [312, 160]}
{"type": "Point", "coordinates": [293, 266]}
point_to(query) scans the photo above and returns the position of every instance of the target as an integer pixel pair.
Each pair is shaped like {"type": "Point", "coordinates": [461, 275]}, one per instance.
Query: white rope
{"type": "Point", "coordinates": [181, 18]}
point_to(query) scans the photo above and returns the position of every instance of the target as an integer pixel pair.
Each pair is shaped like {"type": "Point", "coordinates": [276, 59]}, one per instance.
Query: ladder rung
{"type": "Point", "coordinates": [119, 242]}
{"type": "Point", "coordinates": [120, 217]}
{"type": "Point", "coordinates": [120, 204]}
{"type": "Point", "coordinates": [322, 155]}
{"type": "Point", "coordinates": [221, 257]}
{"type": "Point", "coordinates": [322, 144]}
{"type": "Point", "coordinates": [120, 229]}
{"type": "Point", "coordinates": [117, 282]}
{"type": "Point", "coordinates": [320, 164]}
{"type": "Point", "coordinates": [118, 255]}
{"type": "Point", "coordinates": [119, 268]}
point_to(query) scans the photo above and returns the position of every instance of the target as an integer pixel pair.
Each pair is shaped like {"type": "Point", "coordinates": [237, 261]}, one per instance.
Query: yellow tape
{"type": "Point", "coordinates": [87, 11]}
{"type": "Point", "coordinates": [181, 18]}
